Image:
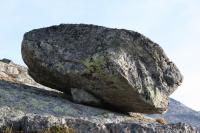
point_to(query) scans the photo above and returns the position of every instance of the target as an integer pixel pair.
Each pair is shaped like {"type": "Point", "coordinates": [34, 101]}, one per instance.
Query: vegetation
{"type": "Point", "coordinates": [58, 129]}
{"type": "Point", "coordinates": [8, 130]}
{"type": "Point", "coordinates": [161, 121]}
{"type": "Point", "coordinates": [53, 129]}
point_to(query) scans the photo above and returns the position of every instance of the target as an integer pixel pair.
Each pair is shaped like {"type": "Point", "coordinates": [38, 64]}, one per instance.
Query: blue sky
{"type": "Point", "coordinates": [174, 24]}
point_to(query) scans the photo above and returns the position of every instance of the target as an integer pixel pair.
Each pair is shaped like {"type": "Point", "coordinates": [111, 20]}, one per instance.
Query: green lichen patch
{"type": "Point", "coordinates": [94, 64]}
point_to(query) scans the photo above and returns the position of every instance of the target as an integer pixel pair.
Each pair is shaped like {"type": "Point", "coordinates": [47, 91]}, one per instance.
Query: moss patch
{"type": "Point", "coordinates": [58, 129]}
{"type": "Point", "coordinates": [53, 129]}
{"type": "Point", "coordinates": [94, 64]}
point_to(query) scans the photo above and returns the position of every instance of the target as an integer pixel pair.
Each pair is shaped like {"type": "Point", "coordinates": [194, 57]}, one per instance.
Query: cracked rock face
{"type": "Point", "coordinates": [115, 68]}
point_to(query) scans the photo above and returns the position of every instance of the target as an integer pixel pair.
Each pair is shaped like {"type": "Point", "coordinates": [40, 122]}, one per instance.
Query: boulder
{"type": "Point", "coordinates": [114, 68]}
{"type": "Point", "coordinates": [29, 107]}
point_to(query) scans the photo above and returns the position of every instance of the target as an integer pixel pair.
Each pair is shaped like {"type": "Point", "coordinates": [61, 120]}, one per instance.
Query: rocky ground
{"type": "Point", "coordinates": [33, 107]}
{"type": "Point", "coordinates": [177, 112]}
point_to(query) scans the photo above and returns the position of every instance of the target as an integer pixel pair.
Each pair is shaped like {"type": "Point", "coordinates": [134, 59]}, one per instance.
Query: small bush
{"type": "Point", "coordinates": [58, 129]}
{"type": "Point", "coordinates": [53, 129]}
{"type": "Point", "coordinates": [161, 121]}
{"type": "Point", "coordinates": [7, 130]}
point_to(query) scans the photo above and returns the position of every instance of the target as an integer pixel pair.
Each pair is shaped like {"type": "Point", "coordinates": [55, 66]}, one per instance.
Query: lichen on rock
{"type": "Point", "coordinates": [121, 68]}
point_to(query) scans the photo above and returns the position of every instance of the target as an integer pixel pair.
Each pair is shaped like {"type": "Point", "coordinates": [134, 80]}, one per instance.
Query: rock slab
{"type": "Point", "coordinates": [178, 112]}
{"type": "Point", "coordinates": [29, 107]}
{"type": "Point", "coordinates": [113, 68]}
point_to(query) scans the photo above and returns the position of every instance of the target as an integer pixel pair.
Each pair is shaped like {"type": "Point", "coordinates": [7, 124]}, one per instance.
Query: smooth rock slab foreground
{"type": "Point", "coordinates": [27, 109]}
{"type": "Point", "coordinates": [104, 67]}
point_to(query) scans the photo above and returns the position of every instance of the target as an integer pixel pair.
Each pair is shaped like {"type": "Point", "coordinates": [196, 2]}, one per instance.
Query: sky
{"type": "Point", "coordinates": [173, 24]}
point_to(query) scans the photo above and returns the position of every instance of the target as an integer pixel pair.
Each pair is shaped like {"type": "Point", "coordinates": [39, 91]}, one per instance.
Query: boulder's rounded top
{"type": "Point", "coordinates": [81, 28]}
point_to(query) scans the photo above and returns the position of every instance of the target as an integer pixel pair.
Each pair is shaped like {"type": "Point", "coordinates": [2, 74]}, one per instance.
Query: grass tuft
{"type": "Point", "coordinates": [58, 129]}
{"type": "Point", "coordinates": [161, 121]}
{"type": "Point", "coordinates": [53, 129]}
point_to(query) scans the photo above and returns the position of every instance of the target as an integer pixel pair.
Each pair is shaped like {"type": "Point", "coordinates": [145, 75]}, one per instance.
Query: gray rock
{"type": "Point", "coordinates": [28, 106]}
{"type": "Point", "coordinates": [122, 69]}
{"type": "Point", "coordinates": [9, 71]}
{"type": "Point", "coordinates": [151, 128]}
{"type": "Point", "coordinates": [177, 112]}
{"type": "Point", "coordinates": [6, 60]}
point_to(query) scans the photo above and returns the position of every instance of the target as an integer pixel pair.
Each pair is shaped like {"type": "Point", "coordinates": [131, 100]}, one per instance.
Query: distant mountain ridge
{"type": "Point", "coordinates": [178, 112]}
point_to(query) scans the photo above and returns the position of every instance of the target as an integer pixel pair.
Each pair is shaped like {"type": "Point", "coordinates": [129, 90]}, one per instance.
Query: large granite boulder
{"type": "Point", "coordinates": [36, 108]}
{"type": "Point", "coordinates": [113, 68]}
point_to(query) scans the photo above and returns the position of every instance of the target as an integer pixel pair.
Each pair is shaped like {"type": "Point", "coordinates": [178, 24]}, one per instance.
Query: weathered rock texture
{"type": "Point", "coordinates": [9, 71]}
{"type": "Point", "coordinates": [118, 68]}
{"type": "Point", "coordinates": [177, 112]}
{"type": "Point", "coordinates": [28, 108]}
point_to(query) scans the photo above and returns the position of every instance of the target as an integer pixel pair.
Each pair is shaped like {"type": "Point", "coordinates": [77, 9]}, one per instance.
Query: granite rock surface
{"type": "Point", "coordinates": [27, 106]}
{"type": "Point", "coordinates": [110, 68]}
